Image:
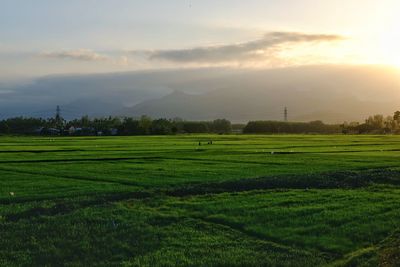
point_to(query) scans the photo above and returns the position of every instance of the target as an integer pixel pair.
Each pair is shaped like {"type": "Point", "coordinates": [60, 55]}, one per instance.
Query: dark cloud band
{"type": "Point", "coordinates": [79, 54]}
{"type": "Point", "coordinates": [241, 51]}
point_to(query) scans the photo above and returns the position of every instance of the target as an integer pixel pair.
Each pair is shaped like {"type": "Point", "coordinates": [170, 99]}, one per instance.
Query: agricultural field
{"type": "Point", "coordinates": [242, 200]}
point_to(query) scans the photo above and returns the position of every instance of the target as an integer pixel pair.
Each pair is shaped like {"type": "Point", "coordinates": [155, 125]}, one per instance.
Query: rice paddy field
{"type": "Point", "coordinates": [244, 200]}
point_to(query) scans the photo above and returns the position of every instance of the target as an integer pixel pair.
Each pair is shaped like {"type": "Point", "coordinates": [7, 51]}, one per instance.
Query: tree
{"type": "Point", "coordinates": [221, 126]}
{"type": "Point", "coordinates": [22, 125]}
{"type": "Point", "coordinates": [4, 129]}
{"type": "Point", "coordinates": [396, 116]}
{"type": "Point", "coordinates": [290, 127]}
{"type": "Point", "coordinates": [129, 126]}
{"type": "Point", "coordinates": [161, 126]}
{"type": "Point", "coordinates": [195, 127]}
{"type": "Point", "coordinates": [145, 124]}
{"type": "Point", "coordinates": [376, 122]}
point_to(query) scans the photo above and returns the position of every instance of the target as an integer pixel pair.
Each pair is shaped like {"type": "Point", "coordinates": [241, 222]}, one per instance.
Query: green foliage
{"type": "Point", "coordinates": [129, 126]}
{"type": "Point", "coordinates": [273, 127]}
{"type": "Point", "coordinates": [86, 126]}
{"type": "Point", "coordinates": [376, 124]}
{"type": "Point", "coordinates": [194, 127]}
{"type": "Point", "coordinates": [221, 126]}
{"type": "Point", "coordinates": [396, 116]}
{"type": "Point", "coordinates": [21, 125]}
{"type": "Point", "coordinates": [161, 127]}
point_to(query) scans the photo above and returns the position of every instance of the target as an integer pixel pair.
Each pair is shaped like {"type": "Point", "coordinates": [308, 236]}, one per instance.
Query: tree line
{"type": "Point", "coordinates": [276, 127]}
{"type": "Point", "coordinates": [376, 124]}
{"type": "Point", "coordinates": [111, 126]}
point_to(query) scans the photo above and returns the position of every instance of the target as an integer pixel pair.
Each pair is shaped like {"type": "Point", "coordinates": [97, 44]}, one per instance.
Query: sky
{"type": "Point", "coordinates": [43, 37]}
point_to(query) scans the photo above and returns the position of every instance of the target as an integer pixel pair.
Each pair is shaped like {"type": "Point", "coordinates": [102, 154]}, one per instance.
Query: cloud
{"type": "Point", "coordinates": [242, 51]}
{"type": "Point", "coordinates": [122, 61]}
{"type": "Point", "coordinates": [79, 54]}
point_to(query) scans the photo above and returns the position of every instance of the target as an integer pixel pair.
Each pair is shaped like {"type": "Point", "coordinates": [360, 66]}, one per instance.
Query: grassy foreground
{"type": "Point", "coordinates": [244, 200]}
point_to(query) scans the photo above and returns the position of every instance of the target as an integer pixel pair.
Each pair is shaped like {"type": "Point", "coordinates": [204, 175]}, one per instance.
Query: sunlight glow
{"type": "Point", "coordinates": [390, 47]}
{"type": "Point", "coordinates": [387, 38]}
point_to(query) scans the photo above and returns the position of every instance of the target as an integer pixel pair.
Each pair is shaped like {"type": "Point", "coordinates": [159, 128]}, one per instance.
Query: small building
{"type": "Point", "coordinates": [51, 131]}
{"type": "Point", "coordinates": [71, 130]}
{"type": "Point", "coordinates": [38, 130]}
{"type": "Point", "coordinates": [114, 131]}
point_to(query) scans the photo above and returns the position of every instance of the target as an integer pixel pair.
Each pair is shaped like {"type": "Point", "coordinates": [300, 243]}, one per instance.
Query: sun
{"type": "Point", "coordinates": [389, 46]}
{"type": "Point", "coordinates": [391, 54]}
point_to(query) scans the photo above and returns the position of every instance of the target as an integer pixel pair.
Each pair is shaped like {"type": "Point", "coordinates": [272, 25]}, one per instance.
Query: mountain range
{"type": "Point", "coordinates": [328, 93]}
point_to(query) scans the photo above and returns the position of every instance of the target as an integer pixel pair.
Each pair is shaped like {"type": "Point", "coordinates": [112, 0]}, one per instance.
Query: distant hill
{"type": "Point", "coordinates": [331, 94]}
{"type": "Point", "coordinates": [328, 93]}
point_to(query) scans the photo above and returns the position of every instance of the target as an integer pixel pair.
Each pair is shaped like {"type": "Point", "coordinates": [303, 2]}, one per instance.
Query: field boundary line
{"type": "Point", "coordinates": [324, 254]}
{"type": "Point", "coordinates": [71, 177]}
{"type": "Point", "coordinates": [76, 160]}
{"type": "Point", "coordinates": [322, 180]}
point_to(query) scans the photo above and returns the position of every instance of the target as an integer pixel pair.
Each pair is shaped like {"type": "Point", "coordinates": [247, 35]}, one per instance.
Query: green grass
{"type": "Point", "coordinates": [246, 200]}
{"type": "Point", "coordinates": [333, 221]}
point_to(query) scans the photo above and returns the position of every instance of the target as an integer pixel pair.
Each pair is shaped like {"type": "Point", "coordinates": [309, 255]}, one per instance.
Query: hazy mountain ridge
{"type": "Point", "coordinates": [329, 93]}
{"type": "Point", "coordinates": [332, 94]}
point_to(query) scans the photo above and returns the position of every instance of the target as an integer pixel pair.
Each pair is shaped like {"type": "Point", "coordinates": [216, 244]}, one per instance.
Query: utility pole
{"type": "Point", "coordinates": [58, 119]}
{"type": "Point", "coordinates": [58, 114]}
{"type": "Point", "coordinates": [286, 114]}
